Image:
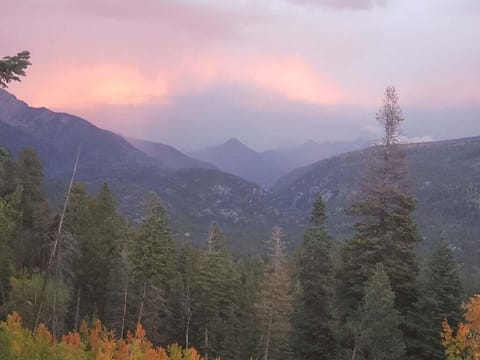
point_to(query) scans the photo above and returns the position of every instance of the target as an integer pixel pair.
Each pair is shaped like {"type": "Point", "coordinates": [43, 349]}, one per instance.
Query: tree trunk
{"type": "Point", "coordinates": [4, 300]}
{"type": "Point", "coordinates": [269, 331]}
{"type": "Point", "coordinates": [206, 343]}
{"type": "Point", "coordinates": [140, 311]}
{"type": "Point", "coordinates": [124, 308]}
{"type": "Point", "coordinates": [354, 352]}
{"type": "Point", "coordinates": [187, 330]}
{"type": "Point", "coordinates": [54, 315]}
{"type": "Point", "coordinates": [77, 309]}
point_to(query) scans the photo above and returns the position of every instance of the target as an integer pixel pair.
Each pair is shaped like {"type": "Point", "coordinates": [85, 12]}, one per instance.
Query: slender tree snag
{"type": "Point", "coordinates": [124, 307]}
{"type": "Point", "coordinates": [55, 246]}
{"type": "Point", "coordinates": [274, 307]}
{"type": "Point", "coordinates": [142, 303]}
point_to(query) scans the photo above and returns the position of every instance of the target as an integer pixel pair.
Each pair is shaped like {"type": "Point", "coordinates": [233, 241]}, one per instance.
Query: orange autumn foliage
{"type": "Point", "coordinates": [17, 342]}
{"type": "Point", "coordinates": [465, 343]}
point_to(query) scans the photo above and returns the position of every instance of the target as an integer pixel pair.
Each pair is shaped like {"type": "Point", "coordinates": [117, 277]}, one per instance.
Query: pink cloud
{"type": "Point", "coordinates": [343, 4]}
{"type": "Point", "coordinates": [75, 84]}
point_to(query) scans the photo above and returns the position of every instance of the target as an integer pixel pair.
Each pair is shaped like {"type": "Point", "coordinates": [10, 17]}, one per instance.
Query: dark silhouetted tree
{"type": "Point", "coordinates": [313, 331]}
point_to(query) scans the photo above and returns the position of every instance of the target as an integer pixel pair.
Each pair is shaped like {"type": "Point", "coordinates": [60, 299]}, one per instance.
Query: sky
{"type": "Point", "coordinates": [192, 73]}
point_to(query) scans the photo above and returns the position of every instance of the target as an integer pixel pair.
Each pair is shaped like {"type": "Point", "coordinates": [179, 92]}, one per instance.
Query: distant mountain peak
{"type": "Point", "coordinates": [234, 142]}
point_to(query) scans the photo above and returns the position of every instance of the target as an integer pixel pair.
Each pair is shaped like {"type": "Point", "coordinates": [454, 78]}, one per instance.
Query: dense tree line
{"type": "Point", "coordinates": [366, 298]}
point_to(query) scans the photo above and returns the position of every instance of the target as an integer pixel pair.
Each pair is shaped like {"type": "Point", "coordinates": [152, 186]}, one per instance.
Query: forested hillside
{"type": "Point", "coordinates": [444, 176]}
{"type": "Point", "coordinates": [194, 193]}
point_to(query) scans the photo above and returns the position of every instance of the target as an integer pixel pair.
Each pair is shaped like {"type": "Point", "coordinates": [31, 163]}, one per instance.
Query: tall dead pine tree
{"type": "Point", "coordinates": [275, 306]}
{"type": "Point", "coordinates": [385, 231]}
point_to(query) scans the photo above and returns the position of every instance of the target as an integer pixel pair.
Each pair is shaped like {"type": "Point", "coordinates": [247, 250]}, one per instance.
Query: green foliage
{"type": "Point", "coordinates": [313, 332]}
{"type": "Point", "coordinates": [153, 244]}
{"type": "Point", "coordinates": [214, 311]}
{"type": "Point", "coordinates": [440, 299]}
{"type": "Point", "coordinates": [12, 67]}
{"type": "Point", "coordinates": [99, 229]}
{"type": "Point", "coordinates": [31, 245]}
{"type": "Point", "coordinates": [25, 290]}
{"type": "Point", "coordinates": [385, 232]}
{"type": "Point", "coordinates": [236, 308]}
{"type": "Point", "coordinates": [152, 260]}
{"type": "Point", "coordinates": [376, 326]}
{"type": "Point", "coordinates": [9, 217]}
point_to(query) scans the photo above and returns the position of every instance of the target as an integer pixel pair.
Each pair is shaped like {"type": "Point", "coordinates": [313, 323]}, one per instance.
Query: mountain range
{"type": "Point", "coordinates": [264, 168]}
{"type": "Point", "coordinates": [197, 189]}
{"type": "Point", "coordinates": [168, 155]}
{"type": "Point", "coordinates": [194, 197]}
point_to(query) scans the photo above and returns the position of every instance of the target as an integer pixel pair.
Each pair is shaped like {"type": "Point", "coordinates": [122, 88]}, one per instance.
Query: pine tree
{"type": "Point", "coordinates": [12, 67]}
{"type": "Point", "coordinates": [251, 272]}
{"type": "Point", "coordinates": [151, 258]}
{"type": "Point", "coordinates": [313, 332]}
{"type": "Point", "coordinates": [30, 246]}
{"type": "Point", "coordinates": [376, 326]}
{"type": "Point", "coordinates": [9, 215]}
{"type": "Point", "coordinates": [214, 321]}
{"type": "Point", "coordinates": [275, 304]}
{"type": "Point", "coordinates": [188, 265]}
{"type": "Point", "coordinates": [440, 299]}
{"type": "Point", "coordinates": [386, 232]}
{"type": "Point", "coordinates": [119, 284]}
{"type": "Point", "coordinates": [99, 231]}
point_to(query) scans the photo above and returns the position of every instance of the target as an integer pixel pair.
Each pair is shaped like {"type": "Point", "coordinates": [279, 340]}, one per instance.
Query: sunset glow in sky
{"type": "Point", "coordinates": [272, 72]}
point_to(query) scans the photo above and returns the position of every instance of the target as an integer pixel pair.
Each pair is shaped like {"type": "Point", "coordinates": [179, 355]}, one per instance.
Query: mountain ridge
{"type": "Point", "coordinates": [168, 155]}
{"type": "Point", "coordinates": [266, 167]}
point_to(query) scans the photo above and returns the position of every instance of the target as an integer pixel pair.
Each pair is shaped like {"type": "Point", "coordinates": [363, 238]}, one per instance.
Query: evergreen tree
{"type": "Point", "coordinates": [386, 232]}
{"type": "Point", "coordinates": [30, 247]}
{"type": "Point", "coordinates": [251, 272]}
{"type": "Point", "coordinates": [8, 173]}
{"type": "Point", "coordinates": [439, 300]}
{"type": "Point", "coordinates": [151, 258]}
{"type": "Point", "coordinates": [188, 265]}
{"type": "Point", "coordinates": [99, 230]}
{"type": "Point", "coordinates": [313, 320]}
{"type": "Point", "coordinates": [9, 216]}
{"type": "Point", "coordinates": [376, 326]}
{"type": "Point", "coordinates": [275, 304]}
{"type": "Point", "coordinates": [12, 67]}
{"type": "Point", "coordinates": [214, 310]}
{"type": "Point", "coordinates": [119, 285]}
